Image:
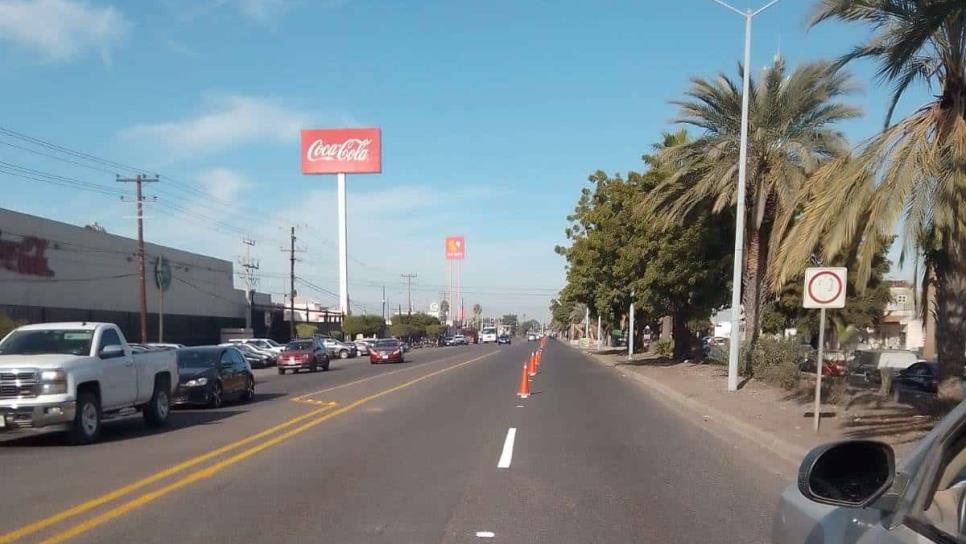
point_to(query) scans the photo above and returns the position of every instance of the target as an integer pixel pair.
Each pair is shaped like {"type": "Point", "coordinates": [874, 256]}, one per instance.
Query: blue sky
{"type": "Point", "coordinates": [493, 115]}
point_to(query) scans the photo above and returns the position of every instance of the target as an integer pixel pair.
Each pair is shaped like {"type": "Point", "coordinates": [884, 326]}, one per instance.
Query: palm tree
{"type": "Point", "coordinates": [791, 133]}
{"type": "Point", "coordinates": [478, 315]}
{"type": "Point", "coordinates": [914, 169]}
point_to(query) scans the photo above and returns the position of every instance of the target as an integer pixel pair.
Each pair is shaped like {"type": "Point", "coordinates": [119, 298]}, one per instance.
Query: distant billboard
{"type": "Point", "coordinates": [341, 150]}
{"type": "Point", "coordinates": [455, 248]}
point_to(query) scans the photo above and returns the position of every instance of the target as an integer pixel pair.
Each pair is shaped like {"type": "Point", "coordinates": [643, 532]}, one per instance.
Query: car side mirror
{"type": "Point", "coordinates": [852, 473]}
{"type": "Point", "coordinates": [110, 352]}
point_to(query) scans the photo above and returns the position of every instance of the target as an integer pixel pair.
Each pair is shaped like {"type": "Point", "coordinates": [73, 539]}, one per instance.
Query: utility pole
{"type": "Point", "coordinates": [142, 294]}
{"type": "Point", "coordinates": [383, 305]}
{"type": "Point", "coordinates": [291, 299]}
{"type": "Point", "coordinates": [409, 280]}
{"type": "Point", "coordinates": [249, 268]}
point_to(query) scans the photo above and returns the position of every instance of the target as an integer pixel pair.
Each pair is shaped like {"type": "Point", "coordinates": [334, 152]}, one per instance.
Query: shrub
{"type": "Point", "coordinates": [664, 347]}
{"type": "Point", "coordinates": [776, 361]}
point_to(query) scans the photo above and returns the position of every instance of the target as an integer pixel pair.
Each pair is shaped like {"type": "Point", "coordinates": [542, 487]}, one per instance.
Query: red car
{"type": "Point", "coordinates": [830, 368]}
{"type": "Point", "coordinates": [386, 351]}
{"type": "Point", "coordinates": [303, 355]}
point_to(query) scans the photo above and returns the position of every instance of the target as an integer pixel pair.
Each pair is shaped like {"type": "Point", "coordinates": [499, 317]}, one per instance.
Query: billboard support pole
{"type": "Point", "coordinates": [343, 253]}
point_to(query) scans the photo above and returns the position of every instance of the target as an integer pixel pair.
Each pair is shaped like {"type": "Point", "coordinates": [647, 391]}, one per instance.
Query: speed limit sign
{"type": "Point", "coordinates": [824, 288]}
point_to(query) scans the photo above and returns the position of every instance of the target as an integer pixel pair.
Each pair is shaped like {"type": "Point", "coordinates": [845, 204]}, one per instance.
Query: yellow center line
{"type": "Point", "coordinates": [210, 471]}
{"type": "Point", "coordinates": [120, 492]}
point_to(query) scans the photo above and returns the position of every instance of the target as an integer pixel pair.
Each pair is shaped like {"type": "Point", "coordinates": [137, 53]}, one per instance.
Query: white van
{"type": "Point", "coordinates": [868, 363]}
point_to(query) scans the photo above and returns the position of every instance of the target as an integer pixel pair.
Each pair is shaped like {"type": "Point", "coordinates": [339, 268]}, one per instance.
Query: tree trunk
{"type": "Point", "coordinates": [752, 299]}
{"type": "Point", "coordinates": [951, 319]}
{"type": "Point", "coordinates": [683, 337]}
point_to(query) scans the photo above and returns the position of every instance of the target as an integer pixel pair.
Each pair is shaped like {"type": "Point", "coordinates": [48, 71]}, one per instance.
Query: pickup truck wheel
{"type": "Point", "coordinates": [157, 410]}
{"type": "Point", "coordinates": [214, 396]}
{"type": "Point", "coordinates": [281, 372]}
{"type": "Point", "coordinates": [325, 367]}
{"type": "Point", "coordinates": [87, 419]}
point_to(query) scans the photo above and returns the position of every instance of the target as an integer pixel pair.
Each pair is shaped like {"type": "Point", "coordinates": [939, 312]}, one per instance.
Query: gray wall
{"type": "Point", "coordinates": [45, 263]}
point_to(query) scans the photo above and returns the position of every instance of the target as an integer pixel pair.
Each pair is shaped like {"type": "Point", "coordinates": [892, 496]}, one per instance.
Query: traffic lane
{"type": "Point", "coordinates": [597, 459]}
{"type": "Point", "coordinates": [41, 474]}
{"type": "Point", "coordinates": [388, 471]}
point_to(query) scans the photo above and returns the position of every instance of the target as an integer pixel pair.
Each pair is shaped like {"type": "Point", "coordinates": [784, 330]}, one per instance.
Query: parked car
{"type": "Point", "coordinates": [487, 335]}
{"type": "Point", "coordinates": [362, 346]}
{"type": "Point", "coordinates": [387, 351]}
{"type": "Point", "coordinates": [255, 357]}
{"type": "Point", "coordinates": [852, 493]}
{"type": "Point", "coordinates": [335, 348]}
{"type": "Point", "coordinates": [264, 344]}
{"type": "Point", "coordinates": [210, 375]}
{"type": "Point", "coordinates": [456, 340]}
{"type": "Point", "coordinates": [79, 374]}
{"type": "Point", "coordinates": [829, 368]}
{"type": "Point", "coordinates": [503, 339]}
{"type": "Point", "coordinates": [921, 378]}
{"type": "Point", "coordinates": [306, 354]}
{"type": "Point", "coordinates": [867, 364]}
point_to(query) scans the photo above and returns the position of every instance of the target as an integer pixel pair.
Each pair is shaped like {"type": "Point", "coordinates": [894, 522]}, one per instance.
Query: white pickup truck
{"type": "Point", "coordinates": [74, 375]}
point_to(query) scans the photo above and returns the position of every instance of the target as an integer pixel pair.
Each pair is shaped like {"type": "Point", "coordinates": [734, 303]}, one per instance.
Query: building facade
{"type": "Point", "coordinates": [52, 271]}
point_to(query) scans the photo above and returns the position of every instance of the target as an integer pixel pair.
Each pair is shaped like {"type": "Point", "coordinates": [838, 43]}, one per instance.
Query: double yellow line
{"type": "Point", "coordinates": [325, 413]}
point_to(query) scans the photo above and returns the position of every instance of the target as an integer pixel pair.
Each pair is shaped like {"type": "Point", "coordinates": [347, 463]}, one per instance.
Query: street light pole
{"type": "Point", "coordinates": [733, 348]}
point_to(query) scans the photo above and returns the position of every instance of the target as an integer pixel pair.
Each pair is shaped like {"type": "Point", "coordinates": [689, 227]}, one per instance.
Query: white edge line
{"type": "Point", "coordinates": [507, 454]}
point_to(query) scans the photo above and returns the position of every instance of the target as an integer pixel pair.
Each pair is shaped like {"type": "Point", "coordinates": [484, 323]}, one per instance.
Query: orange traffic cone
{"type": "Point", "coordinates": [524, 391]}
{"type": "Point", "coordinates": [532, 363]}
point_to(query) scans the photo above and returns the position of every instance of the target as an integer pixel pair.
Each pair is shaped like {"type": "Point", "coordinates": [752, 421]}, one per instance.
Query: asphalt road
{"type": "Point", "coordinates": [400, 454]}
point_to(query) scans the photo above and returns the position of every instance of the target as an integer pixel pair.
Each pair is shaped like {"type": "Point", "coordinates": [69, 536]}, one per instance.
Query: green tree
{"type": "Point", "coordinates": [674, 270]}
{"type": "Point", "coordinates": [366, 325]}
{"type": "Point", "coordinates": [914, 169]}
{"type": "Point", "coordinates": [305, 330]}
{"type": "Point", "coordinates": [530, 325]}
{"type": "Point", "coordinates": [791, 133]}
{"type": "Point", "coordinates": [435, 331]}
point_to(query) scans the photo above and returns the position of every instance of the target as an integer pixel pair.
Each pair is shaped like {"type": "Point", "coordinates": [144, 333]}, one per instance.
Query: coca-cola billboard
{"type": "Point", "coordinates": [341, 150]}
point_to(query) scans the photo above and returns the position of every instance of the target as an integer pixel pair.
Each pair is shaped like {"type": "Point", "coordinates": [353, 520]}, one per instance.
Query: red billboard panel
{"type": "Point", "coordinates": [455, 248]}
{"type": "Point", "coordinates": [341, 150]}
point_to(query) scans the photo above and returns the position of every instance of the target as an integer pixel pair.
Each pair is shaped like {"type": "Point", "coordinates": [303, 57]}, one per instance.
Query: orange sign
{"type": "Point", "coordinates": [455, 248]}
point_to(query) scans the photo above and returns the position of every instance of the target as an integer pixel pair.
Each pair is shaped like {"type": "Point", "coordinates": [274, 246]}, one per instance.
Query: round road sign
{"type": "Point", "coordinates": [825, 287]}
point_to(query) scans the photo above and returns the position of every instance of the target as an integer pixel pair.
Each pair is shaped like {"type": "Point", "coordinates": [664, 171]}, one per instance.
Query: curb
{"type": "Point", "coordinates": [787, 451]}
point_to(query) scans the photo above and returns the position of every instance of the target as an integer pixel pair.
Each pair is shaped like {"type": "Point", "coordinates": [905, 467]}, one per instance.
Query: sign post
{"type": "Point", "coordinates": [824, 288]}
{"type": "Point", "coordinates": [341, 152]}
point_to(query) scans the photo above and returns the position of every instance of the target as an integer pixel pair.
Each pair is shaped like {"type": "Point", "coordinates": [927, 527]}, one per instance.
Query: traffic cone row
{"type": "Point", "coordinates": [529, 371]}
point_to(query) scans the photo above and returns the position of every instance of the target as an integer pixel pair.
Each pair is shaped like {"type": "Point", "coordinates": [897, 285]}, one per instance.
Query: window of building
{"type": "Point", "coordinates": [902, 299]}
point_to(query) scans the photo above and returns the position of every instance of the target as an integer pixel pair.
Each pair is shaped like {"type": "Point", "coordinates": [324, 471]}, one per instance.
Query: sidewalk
{"type": "Point", "coordinates": [778, 420]}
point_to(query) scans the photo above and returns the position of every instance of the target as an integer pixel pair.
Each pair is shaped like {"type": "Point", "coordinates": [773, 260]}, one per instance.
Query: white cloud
{"type": "Point", "coordinates": [266, 12]}
{"type": "Point", "coordinates": [223, 184]}
{"type": "Point", "coordinates": [225, 122]}
{"type": "Point", "coordinates": [62, 29]}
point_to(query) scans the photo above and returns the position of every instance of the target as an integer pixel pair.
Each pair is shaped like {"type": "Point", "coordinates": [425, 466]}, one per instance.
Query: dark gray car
{"type": "Point", "coordinates": [851, 492]}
